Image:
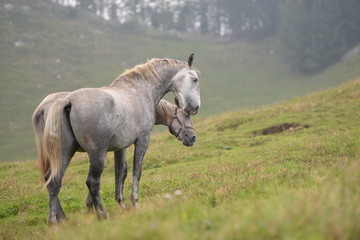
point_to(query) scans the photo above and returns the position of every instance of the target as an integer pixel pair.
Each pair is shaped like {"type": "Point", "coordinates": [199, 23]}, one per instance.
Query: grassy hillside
{"type": "Point", "coordinates": [46, 48]}
{"type": "Point", "coordinates": [298, 182]}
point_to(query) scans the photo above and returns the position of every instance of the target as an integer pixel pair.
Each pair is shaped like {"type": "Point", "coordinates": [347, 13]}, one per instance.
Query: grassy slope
{"type": "Point", "coordinates": [299, 184]}
{"type": "Point", "coordinates": [63, 53]}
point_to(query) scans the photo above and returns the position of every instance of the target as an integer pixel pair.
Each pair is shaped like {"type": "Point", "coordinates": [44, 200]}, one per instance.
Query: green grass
{"type": "Point", "coordinates": [62, 52]}
{"type": "Point", "coordinates": [298, 184]}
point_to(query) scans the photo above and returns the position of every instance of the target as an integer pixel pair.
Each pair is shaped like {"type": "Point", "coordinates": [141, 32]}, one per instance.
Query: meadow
{"type": "Point", "coordinates": [47, 48]}
{"type": "Point", "coordinates": [285, 171]}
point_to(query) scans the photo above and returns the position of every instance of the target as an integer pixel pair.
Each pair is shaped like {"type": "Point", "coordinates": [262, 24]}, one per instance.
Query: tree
{"type": "Point", "coordinates": [113, 11]}
{"type": "Point", "coordinates": [184, 17]}
{"type": "Point", "coordinates": [88, 5]}
{"type": "Point", "coordinates": [252, 18]}
{"type": "Point", "coordinates": [316, 33]}
{"type": "Point", "coordinates": [204, 21]}
{"type": "Point", "coordinates": [350, 10]}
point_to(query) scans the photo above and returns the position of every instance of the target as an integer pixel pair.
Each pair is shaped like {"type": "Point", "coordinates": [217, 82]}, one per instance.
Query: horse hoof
{"type": "Point", "coordinates": [90, 211]}
{"type": "Point", "coordinates": [62, 219]}
{"type": "Point", "coordinates": [136, 205]}
{"type": "Point", "coordinates": [122, 205]}
{"type": "Point", "coordinates": [102, 215]}
{"type": "Point", "coordinates": [57, 219]}
{"type": "Point", "coordinates": [52, 223]}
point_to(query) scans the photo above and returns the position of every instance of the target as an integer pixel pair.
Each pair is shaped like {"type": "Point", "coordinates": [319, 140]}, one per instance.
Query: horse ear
{"type": "Point", "coordinates": [176, 101]}
{"type": "Point", "coordinates": [190, 59]}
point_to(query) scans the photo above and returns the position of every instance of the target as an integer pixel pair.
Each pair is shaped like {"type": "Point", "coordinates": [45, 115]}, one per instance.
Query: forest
{"type": "Point", "coordinates": [314, 33]}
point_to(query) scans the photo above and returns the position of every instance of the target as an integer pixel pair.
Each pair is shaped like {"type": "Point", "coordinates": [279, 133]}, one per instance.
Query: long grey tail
{"type": "Point", "coordinates": [38, 123]}
{"type": "Point", "coordinates": [52, 135]}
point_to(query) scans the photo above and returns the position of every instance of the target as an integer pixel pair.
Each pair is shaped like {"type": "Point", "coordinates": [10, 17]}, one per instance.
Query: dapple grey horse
{"type": "Point", "coordinates": [177, 120]}
{"type": "Point", "coordinates": [111, 118]}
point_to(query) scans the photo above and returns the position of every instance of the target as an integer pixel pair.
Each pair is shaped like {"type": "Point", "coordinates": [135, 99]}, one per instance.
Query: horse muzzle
{"type": "Point", "coordinates": [188, 137]}
{"type": "Point", "coordinates": [189, 142]}
{"type": "Point", "coordinates": [189, 109]}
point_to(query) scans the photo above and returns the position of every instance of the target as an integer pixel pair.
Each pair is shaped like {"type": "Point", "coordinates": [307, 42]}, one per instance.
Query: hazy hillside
{"type": "Point", "coordinates": [287, 171]}
{"type": "Point", "coordinates": [46, 48]}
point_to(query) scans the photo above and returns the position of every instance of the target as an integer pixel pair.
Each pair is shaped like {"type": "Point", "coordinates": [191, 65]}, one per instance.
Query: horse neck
{"type": "Point", "coordinates": [153, 90]}
{"type": "Point", "coordinates": [166, 73]}
{"type": "Point", "coordinates": [164, 113]}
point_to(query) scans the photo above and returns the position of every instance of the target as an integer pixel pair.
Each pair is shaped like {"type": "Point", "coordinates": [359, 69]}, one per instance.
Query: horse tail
{"type": "Point", "coordinates": [52, 135]}
{"type": "Point", "coordinates": [38, 124]}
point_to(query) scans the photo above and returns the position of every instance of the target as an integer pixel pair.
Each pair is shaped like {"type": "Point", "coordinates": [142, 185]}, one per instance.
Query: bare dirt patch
{"type": "Point", "coordinates": [280, 128]}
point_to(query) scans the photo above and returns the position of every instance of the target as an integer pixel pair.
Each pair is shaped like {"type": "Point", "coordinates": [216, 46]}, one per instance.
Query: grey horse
{"type": "Point", "coordinates": [111, 118]}
{"type": "Point", "coordinates": [176, 119]}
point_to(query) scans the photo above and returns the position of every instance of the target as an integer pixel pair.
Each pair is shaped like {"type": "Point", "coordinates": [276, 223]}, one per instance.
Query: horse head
{"type": "Point", "coordinates": [182, 128]}
{"type": "Point", "coordinates": [187, 89]}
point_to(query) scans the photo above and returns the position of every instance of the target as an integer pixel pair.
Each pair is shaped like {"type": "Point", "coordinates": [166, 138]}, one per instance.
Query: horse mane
{"type": "Point", "coordinates": [164, 110]}
{"type": "Point", "coordinates": [148, 70]}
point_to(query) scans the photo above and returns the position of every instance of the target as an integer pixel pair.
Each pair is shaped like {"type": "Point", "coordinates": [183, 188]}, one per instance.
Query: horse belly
{"type": "Point", "coordinates": [120, 141]}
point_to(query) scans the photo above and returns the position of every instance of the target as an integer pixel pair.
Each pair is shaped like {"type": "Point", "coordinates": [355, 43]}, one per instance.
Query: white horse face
{"type": "Point", "coordinates": [187, 90]}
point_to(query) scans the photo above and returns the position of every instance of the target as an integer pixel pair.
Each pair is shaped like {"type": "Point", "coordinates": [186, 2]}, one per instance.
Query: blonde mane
{"type": "Point", "coordinates": [148, 70]}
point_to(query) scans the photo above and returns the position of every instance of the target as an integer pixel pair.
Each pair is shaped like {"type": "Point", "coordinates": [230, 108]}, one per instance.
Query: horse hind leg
{"type": "Point", "coordinates": [69, 146]}
{"type": "Point", "coordinates": [97, 159]}
{"type": "Point", "coordinates": [56, 213]}
{"type": "Point", "coordinates": [89, 204]}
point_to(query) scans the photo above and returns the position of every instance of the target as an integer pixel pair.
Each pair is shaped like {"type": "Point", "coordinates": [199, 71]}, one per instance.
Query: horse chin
{"type": "Point", "coordinates": [189, 109]}
{"type": "Point", "coordinates": [193, 112]}
{"type": "Point", "coordinates": [187, 143]}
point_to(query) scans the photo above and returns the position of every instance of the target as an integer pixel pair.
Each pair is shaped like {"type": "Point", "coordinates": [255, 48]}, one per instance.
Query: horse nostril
{"type": "Point", "coordinates": [197, 109]}
{"type": "Point", "coordinates": [193, 139]}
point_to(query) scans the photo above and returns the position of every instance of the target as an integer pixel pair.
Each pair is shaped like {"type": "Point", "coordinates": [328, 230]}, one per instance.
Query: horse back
{"type": "Point", "coordinates": [103, 118]}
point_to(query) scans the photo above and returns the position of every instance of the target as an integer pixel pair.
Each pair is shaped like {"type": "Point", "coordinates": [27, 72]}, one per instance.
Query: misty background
{"type": "Point", "coordinates": [314, 33]}
{"type": "Point", "coordinates": [250, 52]}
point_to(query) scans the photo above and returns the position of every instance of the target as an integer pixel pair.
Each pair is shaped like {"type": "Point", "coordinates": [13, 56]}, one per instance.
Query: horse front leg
{"type": "Point", "coordinates": [141, 146]}
{"type": "Point", "coordinates": [120, 175]}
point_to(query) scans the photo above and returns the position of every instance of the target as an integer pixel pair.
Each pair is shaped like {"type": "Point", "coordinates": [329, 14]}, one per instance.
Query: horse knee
{"type": "Point", "coordinates": [54, 187]}
{"type": "Point", "coordinates": [93, 184]}
{"type": "Point", "coordinates": [124, 173]}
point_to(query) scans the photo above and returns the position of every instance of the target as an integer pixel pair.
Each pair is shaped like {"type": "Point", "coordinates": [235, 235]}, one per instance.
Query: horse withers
{"type": "Point", "coordinates": [112, 118]}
